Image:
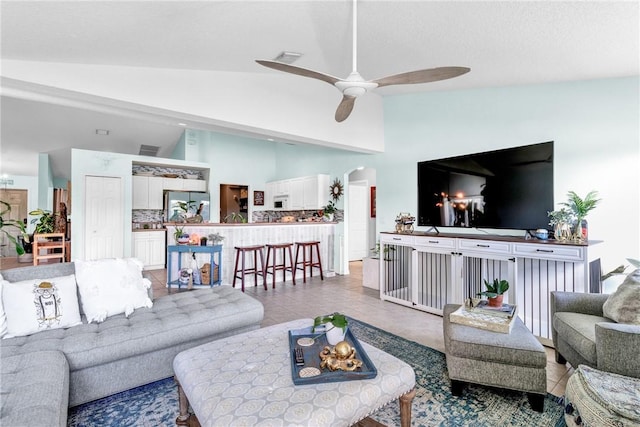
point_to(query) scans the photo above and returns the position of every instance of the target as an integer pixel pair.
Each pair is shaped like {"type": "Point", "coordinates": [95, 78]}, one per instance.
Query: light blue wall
{"type": "Point", "coordinates": [595, 126]}
{"type": "Point", "coordinates": [45, 183]}
{"type": "Point", "coordinates": [233, 160]}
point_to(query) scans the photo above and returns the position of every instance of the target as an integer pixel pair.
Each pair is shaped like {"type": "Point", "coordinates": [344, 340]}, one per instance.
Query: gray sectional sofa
{"type": "Point", "coordinates": [45, 373]}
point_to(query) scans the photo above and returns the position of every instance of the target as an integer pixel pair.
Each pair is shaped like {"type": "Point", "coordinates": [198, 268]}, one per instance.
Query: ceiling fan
{"type": "Point", "coordinates": [354, 85]}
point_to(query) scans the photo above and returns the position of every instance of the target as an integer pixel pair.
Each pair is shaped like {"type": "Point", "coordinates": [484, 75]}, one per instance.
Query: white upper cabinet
{"type": "Point", "coordinates": [308, 192]}
{"type": "Point", "coordinates": [194, 185]}
{"type": "Point", "coordinates": [147, 192]}
{"type": "Point", "coordinates": [316, 191]}
{"type": "Point", "coordinates": [296, 194]}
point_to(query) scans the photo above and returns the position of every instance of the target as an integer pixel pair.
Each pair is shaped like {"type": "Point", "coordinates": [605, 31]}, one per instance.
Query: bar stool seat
{"type": "Point", "coordinates": [273, 266]}
{"type": "Point", "coordinates": [307, 259]}
{"type": "Point", "coordinates": [242, 252]}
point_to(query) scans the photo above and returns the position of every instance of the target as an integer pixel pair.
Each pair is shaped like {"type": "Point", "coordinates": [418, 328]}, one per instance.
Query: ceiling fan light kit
{"type": "Point", "coordinates": [354, 85]}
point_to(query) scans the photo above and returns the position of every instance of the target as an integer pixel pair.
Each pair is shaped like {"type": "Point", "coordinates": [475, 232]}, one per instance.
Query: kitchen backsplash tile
{"type": "Point", "coordinates": [159, 171]}
{"type": "Point", "coordinates": [146, 215]}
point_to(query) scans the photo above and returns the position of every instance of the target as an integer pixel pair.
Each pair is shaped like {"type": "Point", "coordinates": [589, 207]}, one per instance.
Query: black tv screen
{"type": "Point", "coordinates": [510, 188]}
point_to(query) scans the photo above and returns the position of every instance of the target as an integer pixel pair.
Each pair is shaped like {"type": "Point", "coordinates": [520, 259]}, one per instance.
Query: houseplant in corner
{"type": "Point", "coordinates": [335, 326]}
{"type": "Point", "coordinates": [5, 209]}
{"type": "Point", "coordinates": [495, 291]}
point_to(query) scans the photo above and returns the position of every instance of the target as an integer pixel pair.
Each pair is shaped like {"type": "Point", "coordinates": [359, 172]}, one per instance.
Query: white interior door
{"type": "Point", "coordinates": [104, 218]}
{"type": "Point", "coordinates": [358, 215]}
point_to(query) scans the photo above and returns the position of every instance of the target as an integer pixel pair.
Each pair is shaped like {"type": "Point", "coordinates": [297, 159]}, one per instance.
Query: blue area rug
{"type": "Point", "coordinates": [156, 404]}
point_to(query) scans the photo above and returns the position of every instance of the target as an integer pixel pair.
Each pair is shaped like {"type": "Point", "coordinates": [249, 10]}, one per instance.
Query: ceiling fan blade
{"type": "Point", "coordinates": [422, 76]}
{"type": "Point", "coordinates": [298, 70]}
{"type": "Point", "coordinates": [345, 107]}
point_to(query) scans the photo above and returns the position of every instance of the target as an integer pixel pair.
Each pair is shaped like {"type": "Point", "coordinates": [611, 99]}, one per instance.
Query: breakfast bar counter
{"type": "Point", "coordinates": [249, 234]}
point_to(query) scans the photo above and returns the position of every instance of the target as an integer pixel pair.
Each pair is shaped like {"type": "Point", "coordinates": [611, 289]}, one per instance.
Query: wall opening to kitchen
{"type": "Point", "coordinates": [234, 203]}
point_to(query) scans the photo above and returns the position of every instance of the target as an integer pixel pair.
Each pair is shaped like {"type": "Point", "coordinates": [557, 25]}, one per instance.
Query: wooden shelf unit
{"type": "Point", "coordinates": [48, 244]}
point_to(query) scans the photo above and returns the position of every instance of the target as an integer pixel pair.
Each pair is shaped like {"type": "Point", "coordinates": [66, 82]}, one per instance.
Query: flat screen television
{"type": "Point", "coordinates": [510, 188]}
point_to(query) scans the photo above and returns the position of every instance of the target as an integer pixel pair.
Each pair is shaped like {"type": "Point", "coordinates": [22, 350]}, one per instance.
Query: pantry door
{"type": "Point", "coordinates": [104, 217]}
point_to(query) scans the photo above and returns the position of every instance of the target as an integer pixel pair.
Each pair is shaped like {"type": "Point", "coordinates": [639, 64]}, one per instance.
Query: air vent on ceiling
{"type": "Point", "coordinates": [149, 150]}
{"type": "Point", "coordinates": [288, 57]}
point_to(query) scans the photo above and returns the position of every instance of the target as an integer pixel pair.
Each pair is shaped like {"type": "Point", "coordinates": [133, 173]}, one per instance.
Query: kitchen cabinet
{"type": "Point", "coordinates": [181, 184]}
{"type": "Point", "coordinates": [315, 191]}
{"type": "Point", "coordinates": [308, 192]}
{"type": "Point", "coordinates": [296, 196]}
{"type": "Point", "coordinates": [269, 191]}
{"type": "Point", "coordinates": [426, 272]}
{"type": "Point", "coordinates": [282, 187]}
{"type": "Point", "coordinates": [149, 247]}
{"type": "Point", "coordinates": [194, 185]}
{"type": "Point", "coordinates": [147, 192]}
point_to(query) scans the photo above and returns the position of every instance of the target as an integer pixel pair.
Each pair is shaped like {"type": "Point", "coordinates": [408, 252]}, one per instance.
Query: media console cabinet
{"type": "Point", "coordinates": [426, 271]}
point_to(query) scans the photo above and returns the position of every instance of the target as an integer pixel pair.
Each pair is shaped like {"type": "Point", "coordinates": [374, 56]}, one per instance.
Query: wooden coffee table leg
{"type": "Point", "coordinates": [185, 418]}
{"type": "Point", "coordinates": [405, 408]}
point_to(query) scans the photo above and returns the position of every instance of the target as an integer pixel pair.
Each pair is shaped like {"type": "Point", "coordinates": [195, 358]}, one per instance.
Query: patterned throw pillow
{"type": "Point", "coordinates": [623, 306]}
{"type": "Point", "coordinates": [111, 286]}
{"type": "Point", "coordinates": [40, 304]}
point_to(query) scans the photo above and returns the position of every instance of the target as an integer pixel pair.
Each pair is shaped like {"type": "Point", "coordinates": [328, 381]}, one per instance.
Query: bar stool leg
{"type": "Point", "coordinates": [243, 270]}
{"type": "Point", "coordinates": [292, 266]}
{"type": "Point", "coordinates": [235, 271]}
{"type": "Point", "coordinates": [262, 269]}
{"type": "Point", "coordinates": [319, 261]}
{"type": "Point", "coordinates": [295, 264]}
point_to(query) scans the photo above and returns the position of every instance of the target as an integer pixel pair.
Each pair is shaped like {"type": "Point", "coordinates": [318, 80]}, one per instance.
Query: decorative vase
{"type": "Point", "coordinates": [334, 334]}
{"type": "Point", "coordinates": [580, 230]}
{"type": "Point", "coordinates": [562, 231]}
{"type": "Point", "coordinates": [496, 301]}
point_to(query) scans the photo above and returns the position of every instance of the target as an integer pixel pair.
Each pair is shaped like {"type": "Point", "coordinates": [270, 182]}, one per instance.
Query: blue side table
{"type": "Point", "coordinates": [215, 260]}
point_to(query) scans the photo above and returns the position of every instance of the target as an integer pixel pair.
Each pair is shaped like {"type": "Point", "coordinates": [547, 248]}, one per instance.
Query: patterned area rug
{"type": "Point", "coordinates": [156, 404]}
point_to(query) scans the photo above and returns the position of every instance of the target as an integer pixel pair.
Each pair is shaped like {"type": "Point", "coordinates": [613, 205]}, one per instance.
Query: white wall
{"type": "Point", "coordinates": [271, 103]}
{"type": "Point", "coordinates": [595, 126]}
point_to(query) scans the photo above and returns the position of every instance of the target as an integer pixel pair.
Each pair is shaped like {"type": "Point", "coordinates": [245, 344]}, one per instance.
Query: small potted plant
{"type": "Point", "coordinates": [180, 236]}
{"type": "Point", "coordinates": [495, 291]}
{"type": "Point", "coordinates": [580, 208]}
{"type": "Point", "coordinates": [329, 210]}
{"type": "Point", "coordinates": [560, 220]}
{"type": "Point", "coordinates": [335, 326]}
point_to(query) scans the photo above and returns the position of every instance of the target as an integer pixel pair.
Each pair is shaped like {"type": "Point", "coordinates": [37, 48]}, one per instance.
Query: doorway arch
{"type": "Point", "coordinates": [362, 176]}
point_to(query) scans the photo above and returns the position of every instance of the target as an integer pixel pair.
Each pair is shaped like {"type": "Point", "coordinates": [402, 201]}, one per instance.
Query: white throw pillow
{"type": "Point", "coordinates": [39, 304]}
{"type": "Point", "coordinates": [3, 315]}
{"type": "Point", "coordinates": [111, 286]}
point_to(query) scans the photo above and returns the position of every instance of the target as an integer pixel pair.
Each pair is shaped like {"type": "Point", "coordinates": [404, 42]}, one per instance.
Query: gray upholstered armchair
{"type": "Point", "coordinates": [582, 335]}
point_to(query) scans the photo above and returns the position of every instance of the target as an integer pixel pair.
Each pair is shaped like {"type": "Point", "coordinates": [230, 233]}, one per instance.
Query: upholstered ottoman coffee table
{"type": "Point", "coordinates": [515, 361]}
{"type": "Point", "coordinates": [247, 380]}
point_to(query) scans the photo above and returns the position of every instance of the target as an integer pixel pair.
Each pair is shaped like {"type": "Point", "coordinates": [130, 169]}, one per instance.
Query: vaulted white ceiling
{"type": "Point", "coordinates": [503, 42]}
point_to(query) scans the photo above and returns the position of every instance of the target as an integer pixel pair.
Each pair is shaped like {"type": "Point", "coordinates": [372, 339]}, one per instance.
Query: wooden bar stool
{"type": "Point", "coordinates": [307, 249]}
{"type": "Point", "coordinates": [274, 266]}
{"type": "Point", "coordinates": [241, 252]}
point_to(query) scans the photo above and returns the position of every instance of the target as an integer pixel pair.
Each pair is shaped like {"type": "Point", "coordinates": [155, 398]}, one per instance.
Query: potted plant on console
{"type": "Point", "coordinates": [335, 326]}
{"type": "Point", "coordinates": [495, 291]}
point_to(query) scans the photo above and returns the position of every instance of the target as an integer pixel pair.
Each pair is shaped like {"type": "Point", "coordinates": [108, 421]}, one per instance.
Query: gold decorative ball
{"type": "Point", "coordinates": [342, 349]}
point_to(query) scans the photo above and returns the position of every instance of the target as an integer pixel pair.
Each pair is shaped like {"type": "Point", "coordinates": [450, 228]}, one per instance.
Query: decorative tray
{"type": "Point", "coordinates": [312, 359]}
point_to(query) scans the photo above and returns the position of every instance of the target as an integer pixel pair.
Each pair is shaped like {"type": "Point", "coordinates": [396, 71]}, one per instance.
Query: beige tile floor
{"type": "Point", "coordinates": [347, 295]}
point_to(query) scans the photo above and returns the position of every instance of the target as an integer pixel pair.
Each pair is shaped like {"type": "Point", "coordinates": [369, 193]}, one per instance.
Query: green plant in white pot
{"type": "Point", "coordinates": [335, 326]}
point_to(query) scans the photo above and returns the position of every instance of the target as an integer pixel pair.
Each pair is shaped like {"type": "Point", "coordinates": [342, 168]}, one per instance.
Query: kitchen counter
{"type": "Point", "coordinates": [242, 224]}
{"type": "Point", "coordinates": [135, 230]}
{"type": "Point", "coordinates": [249, 234]}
